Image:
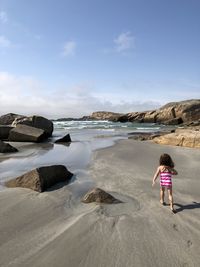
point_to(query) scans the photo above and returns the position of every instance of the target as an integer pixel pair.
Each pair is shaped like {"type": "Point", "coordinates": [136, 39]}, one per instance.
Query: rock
{"type": "Point", "coordinates": [64, 139]}
{"type": "Point", "coordinates": [165, 114]}
{"type": "Point", "coordinates": [172, 114]}
{"type": "Point", "coordinates": [140, 137]}
{"type": "Point", "coordinates": [193, 123]}
{"type": "Point", "coordinates": [188, 110]}
{"type": "Point", "coordinates": [7, 119]}
{"type": "Point", "coordinates": [181, 137]}
{"type": "Point", "coordinates": [136, 116]}
{"type": "Point", "coordinates": [6, 148]}
{"type": "Point", "coordinates": [174, 121]}
{"type": "Point", "coordinates": [37, 122]}
{"type": "Point", "coordinates": [24, 133]}
{"type": "Point", "coordinates": [42, 178]}
{"type": "Point", "coordinates": [122, 118]}
{"type": "Point", "coordinates": [100, 196]}
{"type": "Point", "coordinates": [4, 131]}
{"type": "Point", "coordinates": [150, 116]}
{"type": "Point", "coordinates": [84, 118]}
{"type": "Point", "coordinates": [104, 115]}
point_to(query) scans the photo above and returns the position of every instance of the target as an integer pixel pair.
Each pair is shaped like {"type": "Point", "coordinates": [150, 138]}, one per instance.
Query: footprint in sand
{"type": "Point", "coordinates": [189, 243]}
{"type": "Point", "coordinates": [175, 227]}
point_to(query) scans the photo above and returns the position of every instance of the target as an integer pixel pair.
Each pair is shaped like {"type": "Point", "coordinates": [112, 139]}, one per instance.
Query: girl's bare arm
{"type": "Point", "coordinates": [156, 175]}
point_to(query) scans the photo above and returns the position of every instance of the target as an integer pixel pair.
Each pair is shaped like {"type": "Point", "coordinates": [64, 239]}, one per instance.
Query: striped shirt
{"type": "Point", "coordinates": [166, 179]}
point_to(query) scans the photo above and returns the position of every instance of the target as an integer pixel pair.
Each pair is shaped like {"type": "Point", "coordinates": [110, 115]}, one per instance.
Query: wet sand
{"type": "Point", "coordinates": [55, 229]}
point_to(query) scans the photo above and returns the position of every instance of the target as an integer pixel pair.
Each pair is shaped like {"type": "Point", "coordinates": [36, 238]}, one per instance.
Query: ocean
{"type": "Point", "coordinates": [87, 136]}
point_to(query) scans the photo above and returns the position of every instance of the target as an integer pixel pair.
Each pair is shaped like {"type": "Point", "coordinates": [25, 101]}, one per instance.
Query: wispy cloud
{"type": "Point", "coordinates": [26, 95]}
{"type": "Point", "coordinates": [4, 42]}
{"type": "Point", "coordinates": [3, 17]}
{"type": "Point", "coordinates": [124, 42]}
{"type": "Point", "coordinates": [69, 49]}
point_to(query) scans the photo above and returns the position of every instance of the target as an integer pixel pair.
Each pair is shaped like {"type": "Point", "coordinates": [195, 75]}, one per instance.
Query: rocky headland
{"type": "Point", "coordinates": [174, 113]}
{"type": "Point", "coordinates": [184, 114]}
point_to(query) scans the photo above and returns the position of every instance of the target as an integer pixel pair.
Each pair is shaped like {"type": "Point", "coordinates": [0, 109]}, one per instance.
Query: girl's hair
{"type": "Point", "coordinates": [166, 160]}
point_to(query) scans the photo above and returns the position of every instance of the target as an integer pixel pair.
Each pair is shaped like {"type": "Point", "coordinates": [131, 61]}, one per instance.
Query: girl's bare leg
{"type": "Point", "coordinates": [162, 195]}
{"type": "Point", "coordinates": [171, 202]}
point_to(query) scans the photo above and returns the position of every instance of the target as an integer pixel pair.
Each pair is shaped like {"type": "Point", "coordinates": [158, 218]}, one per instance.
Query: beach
{"type": "Point", "coordinates": [55, 228]}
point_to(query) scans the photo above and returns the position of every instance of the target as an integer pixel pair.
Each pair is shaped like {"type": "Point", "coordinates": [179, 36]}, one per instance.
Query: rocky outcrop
{"type": "Point", "coordinates": [171, 114]}
{"type": "Point", "coordinates": [6, 148]}
{"type": "Point", "coordinates": [181, 137]}
{"type": "Point", "coordinates": [99, 196]}
{"type": "Point", "coordinates": [37, 122]}
{"type": "Point", "coordinates": [42, 178]}
{"type": "Point", "coordinates": [174, 121]}
{"type": "Point", "coordinates": [64, 139]}
{"type": "Point", "coordinates": [193, 123]}
{"type": "Point", "coordinates": [150, 116]}
{"type": "Point", "coordinates": [7, 119]}
{"type": "Point", "coordinates": [24, 133]}
{"type": "Point", "coordinates": [188, 110]}
{"type": "Point", "coordinates": [4, 131]}
{"type": "Point", "coordinates": [104, 115]}
{"type": "Point", "coordinates": [143, 136]}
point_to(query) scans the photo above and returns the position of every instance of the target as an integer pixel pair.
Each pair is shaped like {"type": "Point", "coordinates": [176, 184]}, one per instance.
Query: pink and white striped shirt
{"type": "Point", "coordinates": [166, 179]}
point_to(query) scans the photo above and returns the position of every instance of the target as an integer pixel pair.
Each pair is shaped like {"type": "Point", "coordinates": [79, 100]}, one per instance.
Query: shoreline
{"type": "Point", "coordinates": [76, 156]}
{"type": "Point", "coordinates": [55, 229]}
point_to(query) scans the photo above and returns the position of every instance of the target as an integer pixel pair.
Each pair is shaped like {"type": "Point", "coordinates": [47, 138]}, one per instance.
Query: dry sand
{"type": "Point", "coordinates": [55, 229]}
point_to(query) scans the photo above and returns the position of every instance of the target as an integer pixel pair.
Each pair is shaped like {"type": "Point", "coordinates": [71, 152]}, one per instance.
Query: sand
{"type": "Point", "coordinates": [55, 229]}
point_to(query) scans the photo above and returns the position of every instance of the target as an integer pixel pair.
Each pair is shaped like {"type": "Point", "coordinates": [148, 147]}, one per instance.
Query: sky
{"type": "Point", "coordinates": [69, 58]}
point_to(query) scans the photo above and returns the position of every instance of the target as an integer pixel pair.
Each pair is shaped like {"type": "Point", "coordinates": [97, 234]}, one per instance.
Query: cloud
{"type": "Point", "coordinates": [124, 42]}
{"type": "Point", "coordinates": [27, 96]}
{"type": "Point", "coordinates": [4, 42]}
{"type": "Point", "coordinates": [3, 17]}
{"type": "Point", "coordinates": [69, 49]}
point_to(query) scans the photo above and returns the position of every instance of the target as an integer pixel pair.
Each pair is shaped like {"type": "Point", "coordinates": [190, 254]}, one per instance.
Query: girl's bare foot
{"type": "Point", "coordinates": [172, 209]}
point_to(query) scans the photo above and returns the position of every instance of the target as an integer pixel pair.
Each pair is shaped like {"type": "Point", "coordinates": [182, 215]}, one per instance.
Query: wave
{"type": "Point", "coordinates": [105, 125]}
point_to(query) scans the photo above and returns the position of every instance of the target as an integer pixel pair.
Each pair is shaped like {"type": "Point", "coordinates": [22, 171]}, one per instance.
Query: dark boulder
{"type": "Point", "coordinates": [6, 148]}
{"type": "Point", "coordinates": [4, 131]}
{"type": "Point", "coordinates": [42, 178]}
{"type": "Point", "coordinates": [99, 196]}
{"type": "Point", "coordinates": [140, 137]}
{"type": "Point", "coordinates": [193, 123]}
{"type": "Point", "coordinates": [174, 121]}
{"type": "Point", "coordinates": [24, 133]}
{"type": "Point", "coordinates": [122, 118]}
{"type": "Point", "coordinates": [8, 119]}
{"type": "Point", "coordinates": [64, 139]}
{"type": "Point", "coordinates": [37, 122]}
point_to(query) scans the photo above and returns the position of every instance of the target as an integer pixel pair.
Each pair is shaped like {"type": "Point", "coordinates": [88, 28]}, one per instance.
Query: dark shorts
{"type": "Point", "coordinates": [166, 186]}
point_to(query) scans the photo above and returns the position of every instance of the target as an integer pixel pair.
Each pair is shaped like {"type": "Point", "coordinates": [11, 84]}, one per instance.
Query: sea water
{"type": "Point", "coordinates": [87, 136]}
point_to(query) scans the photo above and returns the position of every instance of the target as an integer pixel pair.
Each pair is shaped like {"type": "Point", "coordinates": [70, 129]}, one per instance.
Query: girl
{"type": "Point", "coordinates": [166, 170]}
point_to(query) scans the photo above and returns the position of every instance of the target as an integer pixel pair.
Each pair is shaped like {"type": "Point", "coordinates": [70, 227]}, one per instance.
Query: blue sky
{"type": "Point", "coordinates": [72, 57]}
